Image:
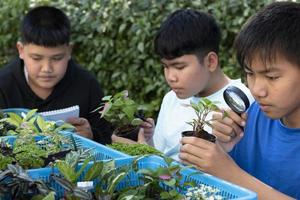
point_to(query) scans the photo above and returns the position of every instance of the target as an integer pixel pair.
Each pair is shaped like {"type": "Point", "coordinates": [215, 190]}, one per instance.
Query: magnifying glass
{"type": "Point", "coordinates": [236, 99]}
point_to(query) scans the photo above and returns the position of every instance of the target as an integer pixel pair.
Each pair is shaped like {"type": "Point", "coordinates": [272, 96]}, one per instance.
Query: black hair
{"type": "Point", "coordinates": [187, 31]}
{"type": "Point", "coordinates": [45, 26]}
{"type": "Point", "coordinates": [273, 31]}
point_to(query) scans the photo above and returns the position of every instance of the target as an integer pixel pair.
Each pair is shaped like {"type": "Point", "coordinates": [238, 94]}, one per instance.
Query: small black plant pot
{"type": "Point", "coordinates": [129, 132]}
{"type": "Point", "coordinates": [203, 135]}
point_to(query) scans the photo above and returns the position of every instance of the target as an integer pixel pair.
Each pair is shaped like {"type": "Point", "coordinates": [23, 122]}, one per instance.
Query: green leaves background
{"type": "Point", "coordinates": [114, 38]}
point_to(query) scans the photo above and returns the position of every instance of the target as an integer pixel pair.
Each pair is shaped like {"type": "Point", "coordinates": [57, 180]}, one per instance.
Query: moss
{"type": "Point", "coordinates": [135, 149]}
{"type": "Point", "coordinates": [4, 160]}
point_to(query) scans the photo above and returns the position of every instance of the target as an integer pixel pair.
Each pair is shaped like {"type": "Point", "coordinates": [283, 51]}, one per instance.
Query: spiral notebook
{"type": "Point", "coordinates": [61, 114]}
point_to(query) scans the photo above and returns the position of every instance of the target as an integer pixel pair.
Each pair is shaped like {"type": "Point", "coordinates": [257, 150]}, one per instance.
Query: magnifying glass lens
{"type": "Point", "coordinates": [236, 102]}
{"type": "Point", "coordinates": [236, 99]}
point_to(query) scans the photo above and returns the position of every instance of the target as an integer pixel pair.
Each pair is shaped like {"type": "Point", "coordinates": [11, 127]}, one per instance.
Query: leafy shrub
{"type": "Point", "coordinates": [114, 38]}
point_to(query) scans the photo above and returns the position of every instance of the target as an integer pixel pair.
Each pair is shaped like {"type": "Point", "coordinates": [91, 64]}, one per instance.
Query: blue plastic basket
{"type": "Point", "coordinates": [18, 111]}
{"type": "Point", "coordinates": [100, 152]}
{"type": "Point", "coordinates": [226, 190]}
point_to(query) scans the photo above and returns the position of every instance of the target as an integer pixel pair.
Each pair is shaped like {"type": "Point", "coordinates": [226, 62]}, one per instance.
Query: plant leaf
{"type": "Point", "coordinates": [30, 114]}
{"type": "Point", "coordinates": [66, 170]}
{"type": "Point", "coordinates": [94, 171]}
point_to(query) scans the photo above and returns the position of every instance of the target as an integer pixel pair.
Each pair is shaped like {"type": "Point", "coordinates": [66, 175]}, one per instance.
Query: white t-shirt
{"type": "Point", "coordinates": [174, 115]}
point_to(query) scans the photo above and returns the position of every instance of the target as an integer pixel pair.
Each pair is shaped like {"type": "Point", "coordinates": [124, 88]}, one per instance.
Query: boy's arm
{"type": "Point", "coordinates": [211, 158]}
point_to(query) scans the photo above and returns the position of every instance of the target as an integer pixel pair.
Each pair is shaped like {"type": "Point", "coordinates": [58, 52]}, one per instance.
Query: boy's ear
{"type": "Point", "coordinates": [211, 60]}
{"type": "Point", "coordinates": [20, 48]}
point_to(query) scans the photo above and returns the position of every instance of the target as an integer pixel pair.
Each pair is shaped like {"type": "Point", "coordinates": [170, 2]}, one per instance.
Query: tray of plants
{"type": "Point", "coordinates": [146, 177]}
{"type": "Point", "coordinates": [39, 151]}
{"type": "Point", "coordinates": [159, 178]}
{"type": "Point", "coordinates": [33, 144]}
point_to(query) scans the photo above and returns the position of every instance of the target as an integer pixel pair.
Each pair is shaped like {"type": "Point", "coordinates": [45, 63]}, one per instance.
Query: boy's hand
{"type": "Point", "coordinates": [229, 129]}
{"type": "Point", "coordinates": [82, 126]}
{"type": "Point", "coordinates": [144, 137]}
{"type": "Point", "coordinates": [148, 127]}
{"type": "Point", "coordinates": [122, 140]}
{"type": "Point", "coordinates": [206, 156]}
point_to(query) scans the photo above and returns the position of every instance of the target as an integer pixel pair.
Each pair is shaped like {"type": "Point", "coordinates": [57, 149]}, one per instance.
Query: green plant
{"type": "Point", "coordinates": [124, 114]}
{"type": "Point", "coordinates": [32, 124]}
{"type": "Point", "coordinates": [16, 184]}
{"type": "Point", "coordinates": [135, 149]}
{"type": "Point", "coordinates": [31, 152]}
{"type": "Point", "coordinates": [120, 110]}
{"type": "Point", "coordinates": [163, 182]}
{"type": "Point", "coordinates": [104, 174]}
{"type": "Point", "coordinates": [202, 109]}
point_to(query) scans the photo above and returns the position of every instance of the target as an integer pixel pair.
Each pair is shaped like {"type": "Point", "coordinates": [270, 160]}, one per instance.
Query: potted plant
{"type": "Point", "coordinates": [202, 109]}
{"type": "Point", "coordinates": [123, 113]}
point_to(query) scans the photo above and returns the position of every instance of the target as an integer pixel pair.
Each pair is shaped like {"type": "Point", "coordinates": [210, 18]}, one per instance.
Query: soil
{"type": "Point", "coordinates": [204, 135]}
{"type": "Point", "coordinates": [129, 132]}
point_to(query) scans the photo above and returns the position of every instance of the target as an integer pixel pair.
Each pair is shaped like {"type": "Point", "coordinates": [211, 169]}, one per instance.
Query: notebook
{"type": "Point", "coordinates": [61, 114]}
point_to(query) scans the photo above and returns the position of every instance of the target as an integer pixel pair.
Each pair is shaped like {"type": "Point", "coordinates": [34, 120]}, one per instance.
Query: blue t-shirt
{"type": "Point", "coordinates": [270, 151]}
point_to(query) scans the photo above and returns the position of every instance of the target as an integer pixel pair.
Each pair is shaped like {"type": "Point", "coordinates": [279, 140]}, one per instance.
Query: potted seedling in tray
{"type": "Point", "coordinates": [202, 109]}
{"type": "Point", "coordinates": [123, 113]}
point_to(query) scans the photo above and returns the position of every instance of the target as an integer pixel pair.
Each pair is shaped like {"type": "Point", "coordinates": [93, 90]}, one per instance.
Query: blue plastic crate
{"type": "Point", "coordinates": [226, 190]}
{"type": "Point", "coordinates": [18, 111]}
{"type": "Point", "coordinates": [100, 152]}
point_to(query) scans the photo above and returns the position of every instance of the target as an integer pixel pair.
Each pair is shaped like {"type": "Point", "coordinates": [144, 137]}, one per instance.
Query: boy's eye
{"type": "Point", "coordinates": [36, 58]}
{"type": "Point", "coordinates": [272, 77]}
{"type": "Point", "coordinates": [57, 58]}
{"type": "Point", "coordinates": [180, 67]}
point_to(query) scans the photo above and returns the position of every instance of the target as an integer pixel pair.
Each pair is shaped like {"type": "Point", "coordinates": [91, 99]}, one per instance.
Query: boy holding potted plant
{"type": "Point", "coordinates": [266, 152]}
{"type": "Point", "coordinates": [45, 77]}
{"type": "Point", "coordinates": [188, 45]}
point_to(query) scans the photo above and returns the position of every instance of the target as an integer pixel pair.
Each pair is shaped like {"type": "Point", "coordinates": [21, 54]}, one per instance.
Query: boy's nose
{"type": "Point", "coordinates": [258, 88]}
{"type": "Point", "coordinates": [171, 75]}
{"type": "Point", "coordinates": [47, 67]}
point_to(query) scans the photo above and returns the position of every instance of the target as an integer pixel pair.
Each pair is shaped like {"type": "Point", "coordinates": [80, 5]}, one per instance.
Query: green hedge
{"type": "Point", "coordinates": [114, 38]}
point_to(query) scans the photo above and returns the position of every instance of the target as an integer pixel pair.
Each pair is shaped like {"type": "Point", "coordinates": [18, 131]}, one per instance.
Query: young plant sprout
{"type": "Point", "coordinates": [202, 109]}
{"type": "Point", "coordinates": [124, 114]}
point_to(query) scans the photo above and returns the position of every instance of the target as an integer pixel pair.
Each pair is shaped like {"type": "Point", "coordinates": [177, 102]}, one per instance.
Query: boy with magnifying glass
{"type": "Point", "coordinates": [265, 156]}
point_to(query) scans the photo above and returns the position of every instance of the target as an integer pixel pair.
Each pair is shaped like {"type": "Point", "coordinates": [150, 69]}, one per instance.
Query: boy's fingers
{"type": "Point", "coordinates": [240, 120]}
{"type": "Point", "coordinates": [141, 136]}
{"type": "Point", "coordinates": [148, 124]}
{"type": "Point", "coordinates": [77, 121]}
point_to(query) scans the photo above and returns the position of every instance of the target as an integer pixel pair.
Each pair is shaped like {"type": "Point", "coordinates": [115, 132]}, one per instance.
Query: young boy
{"type": "Point", "coordinates": [267, 156]}
{"type": "Point", "coordinates": [188, 45]}
{"type": "Point", "coordinates": [45, 77]}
